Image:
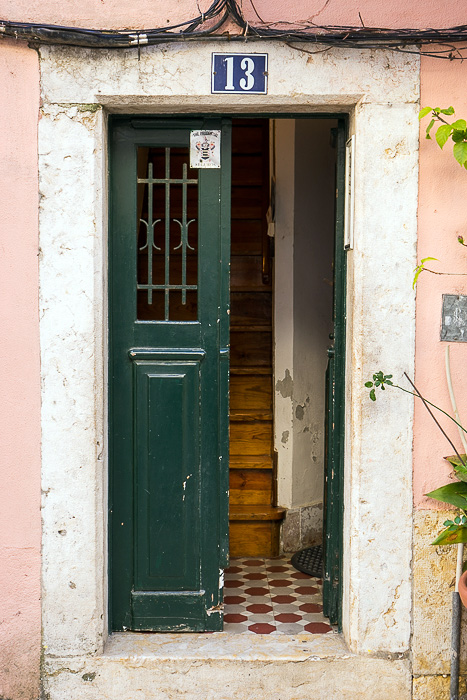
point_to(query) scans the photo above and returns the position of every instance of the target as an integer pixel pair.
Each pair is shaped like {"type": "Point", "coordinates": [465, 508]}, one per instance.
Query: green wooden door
{"type": "Point", "coordinates": [168, 377]}
{"type": "Point", "coordinates": [335, 415]}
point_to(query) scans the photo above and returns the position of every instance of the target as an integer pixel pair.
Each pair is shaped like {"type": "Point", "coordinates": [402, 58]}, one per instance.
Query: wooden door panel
{"type": "Point", "coordinates": [167, 478]}
{"type": "Point", "coordinates": [168, 378]}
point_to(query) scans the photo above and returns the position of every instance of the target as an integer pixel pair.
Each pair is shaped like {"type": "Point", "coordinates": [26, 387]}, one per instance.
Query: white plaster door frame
{"type": "Point", "coordinates": [380, 90]}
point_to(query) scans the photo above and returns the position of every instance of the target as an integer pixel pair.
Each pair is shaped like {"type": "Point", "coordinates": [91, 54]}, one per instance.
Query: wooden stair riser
{"type": "Point", "coordinates": [249, 392]}
{"type": "Point", "coordinates": [250, 486]}
{"type": "Point", "coordinates": [251, 308]}
{"type": "Point", "coordinates": [254, 538]}
{"type": "Point", "coordinates": [250, 348]}
{"type": "Point", "coordinates": [250, 439]}
{"type": "Point", "coordinates": [246, 273]}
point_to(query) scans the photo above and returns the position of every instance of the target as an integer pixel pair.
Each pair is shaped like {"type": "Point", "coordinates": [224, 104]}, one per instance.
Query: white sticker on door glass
{"type": "Point", "coordinates": [205, 149]}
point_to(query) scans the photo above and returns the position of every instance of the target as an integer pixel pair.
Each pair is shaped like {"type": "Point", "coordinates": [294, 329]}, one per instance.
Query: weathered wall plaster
{"type": "Point", "coordinates": [434, 572]}
{"type": "Point", "coordinates": [305, 198]}
{"type": "Point", "coordinates": [315, 194]}
{"type": "Point", "coordinates": [379, 450]}
{"type": "Point", "coordinates": [19, 376]}
{"type": "Point", "coordinates": [72, 142]}
{"type": "Point", "coordinates": [302, 527]}
{"type": "Point", "coordinates": [72, 284]}
{"type": "Point", "coordinates": [433, 584]}
{"type": "Point", "coordinates": [284, 165]}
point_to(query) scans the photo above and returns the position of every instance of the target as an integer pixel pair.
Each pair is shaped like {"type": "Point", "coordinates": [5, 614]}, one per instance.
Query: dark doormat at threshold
{"type": "Point", "coordinates": [309, 561]}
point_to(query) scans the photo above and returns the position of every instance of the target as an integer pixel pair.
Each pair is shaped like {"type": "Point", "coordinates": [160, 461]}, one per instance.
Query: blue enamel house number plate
{"type": "Point", "coordinates": [239, 72]}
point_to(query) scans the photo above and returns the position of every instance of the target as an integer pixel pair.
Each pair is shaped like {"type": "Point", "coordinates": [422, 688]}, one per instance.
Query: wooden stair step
{"type": "Point", "coordinates": [251, 462]}
{"type": "Point", "coordinates": [242, 328]}
{"type": "Point", "coordinates": [250, 370]}
{"type": "Point", "coordinates": [247, 288]}
{"type": "Point", "coordinates": [256, 512]}
{"type": "Point", "coordinates": [252, 414]}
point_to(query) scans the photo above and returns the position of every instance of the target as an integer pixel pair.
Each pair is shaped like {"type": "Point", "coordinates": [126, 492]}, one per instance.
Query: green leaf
{"type": "Point", "coordinates": [449, 110]}
{"type": "Point", "coordinates": [372, 395]}
{"type": "Point", "coordinates": [454, 493]}
{"type": "Point", "coordinates": [455, 461]}
{"type": "Point", "coordinates": [428, 129]}
{"type": "Point", "coordinates": [419, 269]}
{"type": "Point", "coordinates": [459, 125]}
{"type": "Point", "coordinates": [442, 134]}
{"type": "Point", "coordinates": [460, 469]}
{"type": "Point", "coordinates": [423, 112]}
{"type": "Point", "coordinates": [368, 385]}
{"type": "Point", "coordinates": [460, 152]}
{"type": "Point", "coordinates": [449, 536]}
{"type": "Point", "coordinates": [458, 136]}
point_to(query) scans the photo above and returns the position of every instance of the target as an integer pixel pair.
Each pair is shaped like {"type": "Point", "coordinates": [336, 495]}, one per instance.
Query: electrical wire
{"type": "Point", "coordinates": [207, 24]}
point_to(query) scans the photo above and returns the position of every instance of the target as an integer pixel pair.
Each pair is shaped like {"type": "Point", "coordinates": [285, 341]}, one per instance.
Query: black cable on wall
{"type": "Point", "coordinates": [207, 26]}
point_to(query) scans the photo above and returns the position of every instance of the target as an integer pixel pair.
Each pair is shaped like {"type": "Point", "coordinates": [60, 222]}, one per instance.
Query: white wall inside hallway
{"type": "Point", "coordinates": [305, 166]}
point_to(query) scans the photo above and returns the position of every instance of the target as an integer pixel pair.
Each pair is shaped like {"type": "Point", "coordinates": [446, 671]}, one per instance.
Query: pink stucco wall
{"type": "Point", "coordinates": [442, 217]}
{"type": "Point", "coordinates": [19, 377]}
{"type": "Point", "coordinates": [147, 13]}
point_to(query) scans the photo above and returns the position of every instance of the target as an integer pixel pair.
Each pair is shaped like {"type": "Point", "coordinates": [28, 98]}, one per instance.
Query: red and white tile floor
{"type": "Point", "coordinates": [269, 596]}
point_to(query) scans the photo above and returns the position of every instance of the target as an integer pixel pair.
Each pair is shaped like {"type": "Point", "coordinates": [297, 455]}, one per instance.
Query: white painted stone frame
{"type": "Point", "coordinates": [380, 90]}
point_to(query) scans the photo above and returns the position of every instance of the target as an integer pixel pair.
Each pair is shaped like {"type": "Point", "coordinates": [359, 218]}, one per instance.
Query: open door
{"type": "Point", "coordinates": [168, 376]}
{"type": "Point", "coordinates": [335, 415]}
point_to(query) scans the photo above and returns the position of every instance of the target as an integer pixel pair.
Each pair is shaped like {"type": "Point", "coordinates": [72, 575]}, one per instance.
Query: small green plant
{"type": "Point", "coordinates": [453, 493]}
{"type": "Point", "coordinates": [379, 380]}
{"type": "Point", "coordinates": [456, 131]}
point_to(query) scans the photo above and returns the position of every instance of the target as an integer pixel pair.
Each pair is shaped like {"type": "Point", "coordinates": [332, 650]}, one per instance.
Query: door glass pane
{"type": "Point", "coordinates": [167, 236]}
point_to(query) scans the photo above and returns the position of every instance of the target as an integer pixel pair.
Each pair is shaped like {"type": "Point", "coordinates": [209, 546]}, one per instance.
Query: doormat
{"type": "Point", "coordinates": [309, 561]}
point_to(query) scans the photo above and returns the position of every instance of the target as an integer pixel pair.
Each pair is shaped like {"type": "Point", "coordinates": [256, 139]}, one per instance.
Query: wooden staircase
{"type": "Point", "coordinates": [254, 519]}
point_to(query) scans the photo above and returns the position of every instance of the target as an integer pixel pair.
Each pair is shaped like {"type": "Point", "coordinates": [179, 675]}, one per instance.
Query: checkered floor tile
{"type": "Point", "coordinates": [269, 596]}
